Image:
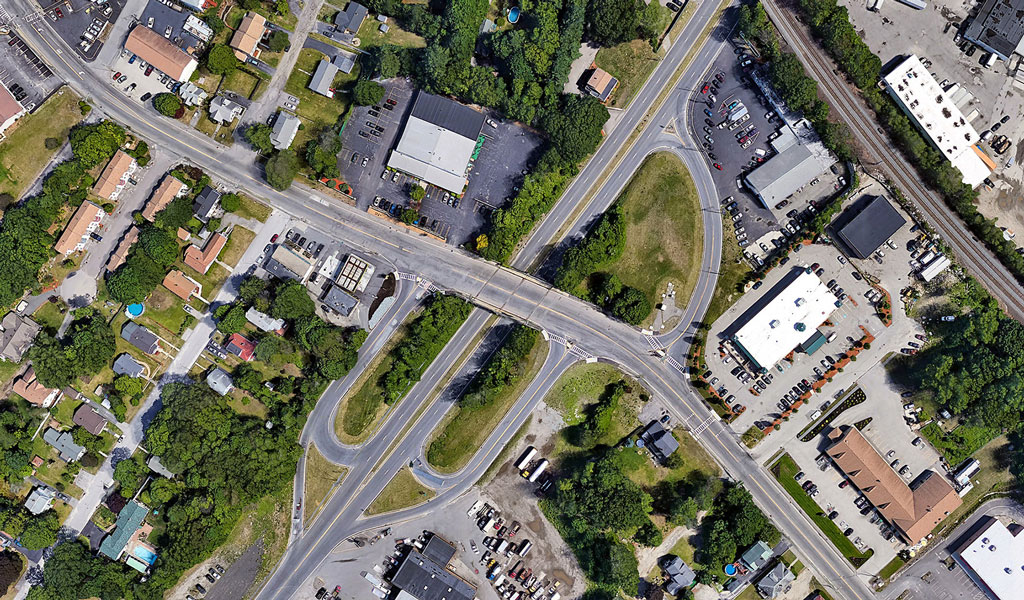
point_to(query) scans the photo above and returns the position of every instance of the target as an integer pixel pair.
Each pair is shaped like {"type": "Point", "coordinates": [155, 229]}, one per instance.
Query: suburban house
{"type": "Point", "coordinates": [115, 176]}
{"type": "Point", "coordinates": [601, 84]}
{"type": "Point", "coordinates": [29, 388]}
{"type": "Point", "coordinates": [125, 364]}
{"type": "Point", "coordinates": [140, 337]}
{"type": "Point", "coordinates": [224, 110]}
{"type": "Point", "coordinates": [240, 346]}
{"type": "Point", "coordinates": [120, 253]}
{"type": "Point", "coordinates": [161, 53]}
{"type": "Point", "coordinates": [40, 500]}
{"type": "Point", "coordinates": [87, 418]}
{"type": "Point", "coordinates": [756, 556]}
{"type": "Point", "coordinates": [17, 332]}
{"type": "Point", "coordinates": [659, 440]}
{"type": "Point", "coordinates": [158, 467]}
{"type": "Point", "coordinates": [169, 189]}
{"type": "Point", "coordinates": [10, 110]}
{"type": "Point", "coordinates": [181, 285]}
{"type": "Point", "coordinates": [775, 582]}
{"type": "Point", "coordinates": [191, 94]}
{"type": "Point", "coordinates": [206, 203]}
{"type": "Point", "coordinates": [200, 260]}
{"type": "Point", "coordinates": [219, 381]}
{"type": "Point", "coordinates": [323, 78]}
{"type": "Point", "coordinates": [129, 520]}
{"type": "Point", "coordinates": [678, 575]}
{"type": "Point", "coordinates": [248, 35]}
{"type": "Point", "coordinates": [264, 322]}
{"type": "Point", "coordinates": [64, 443]}
{"type": "Point", "coordinates": [85, 220]}
{"type": "Point", "coordinates": [349, 20]}
{"type": "Point", "coordinates": [286, 125]}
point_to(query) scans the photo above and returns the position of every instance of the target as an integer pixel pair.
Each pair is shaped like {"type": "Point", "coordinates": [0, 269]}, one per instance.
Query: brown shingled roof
{"type": "Point", "coordinates": [112, 174]}
{"type": "Point", "coordinates": [78, 227]}
{"type": "Point", "coordinates": [29, 388]}
{"type": "Point", "coordinates": [167, 191]}
{"type": "Point", "coordinates": [180, 285]}
{"type": "Point", "coordinates": [151, 47]}
{"type": "Point", "coordinates": [121, 252]}
{"type": "Point", "coordinates": [248, 35]}
{"type": "Point", "coordinates": [200, 260]}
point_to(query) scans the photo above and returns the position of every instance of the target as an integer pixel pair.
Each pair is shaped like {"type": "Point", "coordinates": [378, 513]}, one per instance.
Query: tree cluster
{"type": "Point", "coordinates": [73, 572]}
{"type": "Point", "coordinates": [34, 532]}
{"type": "Point", "coordinates": [612, 22]}
{"type": "Point", "coordinates": [598, 418]}
{"type": "Point", "coordinates": [16, 429]}
{"type": "Point", "coordinates": [86, 348]}
{"type": "Point", "coordinates": [732, 527]}
{"type": "Point", "coordinates": [147, 262]}
{"type": "Point", "coordinates": [282, 168]}
{"type": "Point", "coordinates": [367, 93]}
{"type": "Point", "coordinates": [322, 153]}
{"type": "Point", "coordinates": [168, 104]}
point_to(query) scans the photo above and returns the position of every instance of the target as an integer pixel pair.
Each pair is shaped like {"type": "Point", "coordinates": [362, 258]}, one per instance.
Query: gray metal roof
{"type": "Point", "coordinates": [40, 500]}
{"type": "Point", "coordinates": [679, 575]}
{"type": "Point", "coordinates": [438, 550]}
{"type": "Point", "coordinates": [127, 365]}
{"type": "Point", "coordinates": [351, 18]}
{"type": "Point", "coordinates": [775, 582]}
{"type": "Point", "coordinates": [345, 61]}
{"type": "Point", "coordinates": [448, 114]}
{"type": "Point", "coordinates": [219, 381]}
{"type": "Point", "coordinates": [659, 440]}
{"type": "Point", "coordinates": [339, 300]}
{"type": "Point", "coordinates": [424, 579]}
{"type": "Point", "coordinates": [869, 225]}
{"type": "Point", "coordinates": [999, 26]}
{"type": "Point", "coordinates": [783, 174]}
{"type": "Point", "coordinates": [140, 337]}
{"type": "Point", "coordinates": [286, 125]}
{"type": "Point", "coordinates": [64, 443]}
{"type": "Point", "coordinates": [323, 78]}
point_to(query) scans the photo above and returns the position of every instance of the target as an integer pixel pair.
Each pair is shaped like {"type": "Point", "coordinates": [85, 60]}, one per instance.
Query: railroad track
{"type": "Point", "coordinates": [970, 251]}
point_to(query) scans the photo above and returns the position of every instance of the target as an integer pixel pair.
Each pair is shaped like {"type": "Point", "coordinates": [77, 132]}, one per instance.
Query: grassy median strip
{"type": "Point", "coordinates": [321, 475]}
{"type": "Point", "coordinates": [493, 392]}
{"type": "Point", "coordinates": [403, 491]}
{"type": "Point", "coordinates": [784, 470]}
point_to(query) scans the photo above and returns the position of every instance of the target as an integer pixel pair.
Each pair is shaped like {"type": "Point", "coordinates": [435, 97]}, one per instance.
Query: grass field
{"type": "Point", "coordinates": [370, 36]}
{"type": "Point", "coordinates": [211, 280]}
{"type": "Point", "coordinates": [253, 209]}
{"type": "Point", "coordinates": [23, 154]}
{"type": "Point", "coordinates": [224, 134]}
{"type": "Point", "coordinates": [321, 475]}
{"type": "Point", "coordinates": [665, 235]}
{"type": "Point", "coordinates": [364, 407]}
{"type": "Point", "coordinates": [890, 569]}
{"type": "Point", "coordinates": [631, 63]}
{"type": "Point", "coordinates": [237, 243]}
{"type": "Point", "coordinates": [784, 470]}
{"type": "Point", "coordinates": [401, 492]}
{"type": "Point", "coordinates": [164, 314]}
{"type": "Point", "coordinates": [48, 315]}
{"type": "Point", "coordinates": [994, 476]}
{"type": "Point", "coordinates": [241, 82]}
{"type": "Point", "coordinates": [7, 371]}
{"type": "Point", "coordinates": [461, 435]}
{"type": "Point", "coordinates": [316, 110]}
{"type": "Point", "coordinates": [733, 270]}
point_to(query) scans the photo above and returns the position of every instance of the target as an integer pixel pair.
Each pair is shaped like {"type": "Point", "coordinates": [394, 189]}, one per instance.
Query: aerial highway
{"type": "Point", "coordinates": [504, 291]}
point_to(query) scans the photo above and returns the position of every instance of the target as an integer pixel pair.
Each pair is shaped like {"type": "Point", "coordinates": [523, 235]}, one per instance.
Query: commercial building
{"type": "Point", "coordinates": [322, 81]}
{"type": "Point", "coordinates": [425, 575]}
{"type": "Point", "coordinates": [782, 175]}
{"type": "Point", "coordinates": [247, 37]}
{"type": "Point", "coordinates": [355, 274]}
{"type": "Point", "coordinates": [64, 443]}
{"type": "Point", "coordinates": [338, 300]}
{"type": "Point", "coordinates": [349, 20]}
{"type": "Point", "coordinates": [198, 28]}
{"type": "Point", "coordinates": [200, 260]}
{"type": "Point", "coordinates": [438, 142]}
{"type": "Point", "coordinates": [17, 332]}
{"type": "Point", "coordinates": [10, 110]}
{"type": "Point", "coordinates": [915, 509]}
{"type": "Point", "coordinates": [782, 318]}
{"type": "Point", "coordinates": [126, 365]}
{"type": "Point", "coordinates": [159, 52]}
{"type": "Point", "coordinates": [868, 224]}
{"type": "Point", "coordinates": [115, 176]}
{"type": "Point", "coordinates": [87, 418]}
{"type": "Point", "coordinates": [998, 27]}
{"type": "Point", "coordinates": [219, 381]}
{"type": "Point", "coordinates": [181, 285]}
{"type": "Point", "coordinates": [938, 119]}
{"type": "Point", "coordinates": [601, 84]}
{"type": "Point", "coordinates": [286, 125]}
{"type": "Point", "coordinates": [992, 555]}
{"type": "Point", "coordinates": [140, 337]}
{"type": "Point", "coordinates": [223, 110]}
{"type": "Point", "coordinates": [288, 263]}
{"type": "Point", "coordinates": [85, 220]}
{"type": "Point", "coordinates": [29, 388]}
{"type": "Point", "coordinates": [169, 189]}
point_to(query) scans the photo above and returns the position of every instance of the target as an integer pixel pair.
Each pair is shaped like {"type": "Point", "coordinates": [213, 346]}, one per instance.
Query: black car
{"type": "Point", "coordinates": [302, 241]}
{"type": "Point", "coordinates": [200, 588]}
{"type": "Point", "coordinates": [146, 97]}
{"type": "Point", "coordinates": [209, 578]}
{"type": "Point", "coordinates": [318, 250]}
{"type": "Point", "coordinates": [320, 593]}
{"type": "Point", "coordinates": [1005, 119]}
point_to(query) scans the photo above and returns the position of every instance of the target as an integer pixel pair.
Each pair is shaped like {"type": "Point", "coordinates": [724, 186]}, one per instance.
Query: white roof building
{"type": "Point", "coordinates": [938, 119]}
{"type": "Point", "coordinates": [785, 316]}
{"type": "Point", "coordinates": [993, 557]}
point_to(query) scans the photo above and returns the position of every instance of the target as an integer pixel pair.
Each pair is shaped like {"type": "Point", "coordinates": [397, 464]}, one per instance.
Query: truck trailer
{"type": "Point", "coordinates": [525, 459]}
{"type": "Point", "coordinates": [543, 464]}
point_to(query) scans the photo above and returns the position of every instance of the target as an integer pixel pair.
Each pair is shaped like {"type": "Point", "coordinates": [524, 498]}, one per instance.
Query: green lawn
{"type": "Point", "coordinates": [364, 406]}
{"type": "Point", "coordinates": [64, 410]}
{"type": "Point", "coordinates": [465, 429]}
{"type": "Point", "coordinates": [631, 63]}
{"type": "Point", "coordinates": [664, 231]}
{"type": "Point", "coordinates": [401, 492]}
{"type": "Point", "coordinates": [7, 371]}
{"type": "Point", "coordinates": [211, 280]}
{"type": "Point", "coordinates": [890, 569]}
{"type": "Point", "coordinates": [164, 315]}
{"type": "Point", "coordinates": [994, 476]}
{"type": "Point", "coordinates": [253, 209]}
{"type": "Point", "coordinates": [238, 242]}
{"type": "Point", "coordinates": [784, 470]}
{"type": "Point", "coordinates": [23, 154]}
{"type": "Point", "coordinates": [321, 475]}
{"type": "Point", "coordinates": [731, 273]}
{"type": "Point", "coordinates": [241, 82]}
{"type": "Point", "coordinates": [224, 134]}
{"type": "Point", "coordinates": [49, 315]}
{"type": "Point", "coordinates": [749, 593]}
{"type": "Point", "coordinates": [316, 110]}
{"type": "Point", "coordinates": [370, 35]}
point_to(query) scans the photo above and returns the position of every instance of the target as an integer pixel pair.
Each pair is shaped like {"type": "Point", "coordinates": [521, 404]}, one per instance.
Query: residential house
{"type": "Point", "coordinates": [200, 260]}
{"type": "Point", "coordinates": [158, 467]}
{"type": "Point", "coordinates": [191, 94]}
{"type": "Point", "coordinates": [659, 440]}
{"type": "Point", "coordinates": [40, 500]}
{"type": "Point", "coordinates": [87, 418]}
{"type": "Point", "coordinates": [206, 202]}
{"type": "Point", "coordinates": [29, 388]}
{"type": "Point", "coordinates": [64, 443]}
{"type": "Point", "coordinates": [248, 35]}
{"type": "Point", "coordinates": [10, 110]}
{"type": "Point", "coordinates": [678, 575]}
{"type": "Point", "coordinates": [756, 556]}
{"type": "Point", "coordinates": [286, 125]}
{"type": "Point", "coordinates": [349, 20]}
{"type": "Point", "coordinates": [241, 347]}
{"type": "Point", "coordinates": [775, 582]}
{"type": "Point", "coordinates": [120, 254]}
{"type": "Point", "coordinates": [219, 381]}
{"type": "Point", "coordinates": [169, 189]}
{"type": "Point", "coordinates": [264, 322]}
{"type": "Point", "coordinates": [181, 285]}
{"type": "Point", "coordinates": [17, 332]}
{"type": "Point", "coordinates": [129, 520]}
{"type": "Point", "coordinates": [224, 111]}
{"type": "Point", "coordinates": [140, 337]}
{"type": "Point", "coordinates": [345, 61]}
{"type": "Point", "coordinates": [85, 220]}
{"type": "Point", "coordinates": [115, 176]}
{"type": "Point", "coordinates": [126, 365]}
{"type": "Point", "coordinates": [601, 84]}
{"type": "Point", "coordinates": [161, 53]}
{"type": "Point", "coordinates": [323, 78]}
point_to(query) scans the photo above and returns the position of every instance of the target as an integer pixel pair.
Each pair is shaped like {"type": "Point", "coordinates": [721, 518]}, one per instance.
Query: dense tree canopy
{"type": "Point", "coordinates": [167, 104]}
{"type": "Point", "coordinates": [322, 153]}
{"type": "Point", "coordinates": [611, 22]}
{"type": "Point", "coordinates": [86, 348]}
{"type": "Point", "coordinates": [258, 134]}
{"type": "Point", "coordinates": [281, 169]}
{"type": "Point", "coordinates": [366, 92]}
{"type": "Point", "coordinates": [221, 60]}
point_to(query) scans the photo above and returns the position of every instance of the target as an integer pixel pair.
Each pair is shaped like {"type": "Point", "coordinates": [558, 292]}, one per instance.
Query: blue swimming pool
{"type": "Point", "coordinates": [145, 554]}
{"type": "Point", "coordinates": [730, 570]}
{"type": "Point", "coordinates": [134, 310]}
{"type": "Point", "coordinates": [513, 14]}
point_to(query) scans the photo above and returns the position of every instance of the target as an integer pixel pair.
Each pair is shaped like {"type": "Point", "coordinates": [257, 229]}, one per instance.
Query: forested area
{"type": "Point", "coordinates": [603, 245]}
{"type": "Point", "coordinates": [17, 424]}
{"type": "Point", "coordinates": [87, 346]}
{"type": "Point", "coordinates": [25, 241]}
{"type": "Point", "coordinates": [34, 532]}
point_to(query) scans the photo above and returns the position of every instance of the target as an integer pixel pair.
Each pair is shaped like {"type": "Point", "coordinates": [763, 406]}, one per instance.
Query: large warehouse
{"type": "Point", "coordinates": [438, 142]}
{"type": "Point", "coordinates": [993, 557]}
{"type": "Point", "coordinates": [791, 168]}
{"type": "Point", "coordinates": [938, 119]}
{"type": "Point", "coordinates": [998, 27]}
{"type": "Point", "coordinates": [424, 575]}
{"type": "Point", "coordinates": [783, 318]}
{"type": "Point", "coordinates": [868, 225]}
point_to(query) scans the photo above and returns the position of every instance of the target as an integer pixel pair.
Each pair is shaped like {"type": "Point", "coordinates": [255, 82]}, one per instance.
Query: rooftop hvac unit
{"type": "Point", "coordinates": [800, 327]}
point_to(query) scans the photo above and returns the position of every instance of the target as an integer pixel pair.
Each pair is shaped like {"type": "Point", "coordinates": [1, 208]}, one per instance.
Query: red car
{"type": "Point", "coordinates": [149, 70]}
{"type": "Point", "coordinates": [116, 75]}
{"type": "Point", "coordinates": [274, 238]}
{"type": "Point", "coordinates": [705, 89]}
{"type": "Point", "coordinates": [844, 483]}
{"type": "Point", "coordinates": [718, 166]}
{"type": "Point", "coordinates": [60, 15]}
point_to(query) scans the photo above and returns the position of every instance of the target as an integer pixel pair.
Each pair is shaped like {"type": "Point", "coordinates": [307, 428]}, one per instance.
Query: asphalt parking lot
{"type": "Point", "coordinates": [136, 83]}
{"type": "Point", "coordinates": [168, 20]}
{"type": "Point", "coordinates": [82, 24]}
{"type": "Point", "coordinates": [22, 67]}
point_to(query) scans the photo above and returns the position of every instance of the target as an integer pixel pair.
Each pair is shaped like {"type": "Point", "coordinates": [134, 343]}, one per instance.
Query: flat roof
{"type": "Point", "coordinates": [783, 174]}
{"type": "Point", "coordinates": [425, 579]}
{"type": "Point", "coordinates": [996, 557]}
{"type": "Point", "coordinates": [999, 26]}
{"type": "Point", "coordinates": [937, 117]}
{"type": "Point", "coordinates": [783, 317]}
{"type": "Point", "coordinates": [449, 114]}
{"type": "Point", "coordinates": [286, 263]}
{"type": "Point", "coordinates": [434, 154]}
{"type": "Point", "coordinates": [870, 225]}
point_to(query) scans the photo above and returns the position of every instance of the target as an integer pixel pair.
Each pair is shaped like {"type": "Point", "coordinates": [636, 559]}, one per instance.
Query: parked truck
{"type": "Point", "coordinates": [525, 458]}
{"type": "Point", "coordinates": [543, 464]}
{"type": "Point", "coordinates": [524, 548]}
